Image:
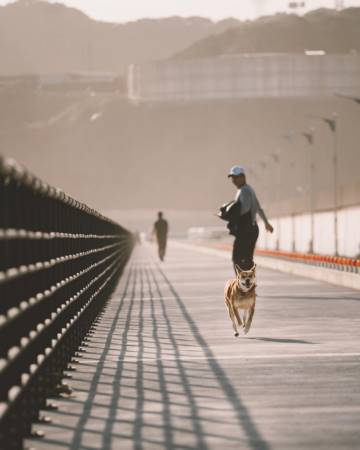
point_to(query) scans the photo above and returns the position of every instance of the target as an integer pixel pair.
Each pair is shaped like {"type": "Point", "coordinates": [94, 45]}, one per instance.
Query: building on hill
{"type": "Point", "coordinates": [243, 76]}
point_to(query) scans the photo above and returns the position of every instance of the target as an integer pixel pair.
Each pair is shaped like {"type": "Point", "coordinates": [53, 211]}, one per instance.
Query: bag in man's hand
{"type": "Point", "coordinates": [230, 212]}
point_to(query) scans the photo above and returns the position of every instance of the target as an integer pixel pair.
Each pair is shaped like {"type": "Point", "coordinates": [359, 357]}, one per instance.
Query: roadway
{"type": "Point", "coordinates": [164, 371]}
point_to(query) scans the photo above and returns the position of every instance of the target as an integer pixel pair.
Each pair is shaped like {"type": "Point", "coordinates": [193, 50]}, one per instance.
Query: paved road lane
{"type": "Point", "coordinates": [163, 370]}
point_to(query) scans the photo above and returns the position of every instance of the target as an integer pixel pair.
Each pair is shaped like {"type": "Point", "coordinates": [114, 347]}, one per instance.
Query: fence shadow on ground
{"type": "Point", "coordinates": [149, 380]}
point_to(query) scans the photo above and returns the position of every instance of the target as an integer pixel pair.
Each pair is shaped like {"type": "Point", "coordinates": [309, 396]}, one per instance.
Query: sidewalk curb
{"type": "Point", "coordinates": [332, 276]}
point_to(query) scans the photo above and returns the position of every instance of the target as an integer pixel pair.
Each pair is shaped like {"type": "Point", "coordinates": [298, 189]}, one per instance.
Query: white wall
{"type": "Point", "coordinates": [349, 231]}
{"type": "Point", "coordinates": [298, 229]}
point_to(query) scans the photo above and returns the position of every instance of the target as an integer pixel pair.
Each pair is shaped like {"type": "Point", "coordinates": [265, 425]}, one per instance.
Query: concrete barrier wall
{"type": "Point", "coordinates": [336, 277]}
{"type": "Point", "coordinates": [294, 233]}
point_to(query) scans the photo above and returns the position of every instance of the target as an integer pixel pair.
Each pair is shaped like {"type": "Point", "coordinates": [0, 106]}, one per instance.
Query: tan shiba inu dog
{"type": "Point", "coordinates": [240, 294]}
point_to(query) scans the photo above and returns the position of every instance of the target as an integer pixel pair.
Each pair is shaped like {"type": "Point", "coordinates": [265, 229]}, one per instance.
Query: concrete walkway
{"type": "Point", "coordinates": [163, 370]}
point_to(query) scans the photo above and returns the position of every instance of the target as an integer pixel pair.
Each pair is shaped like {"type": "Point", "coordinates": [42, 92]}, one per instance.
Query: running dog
{"type": "Point", "coordinates": [240, 294]}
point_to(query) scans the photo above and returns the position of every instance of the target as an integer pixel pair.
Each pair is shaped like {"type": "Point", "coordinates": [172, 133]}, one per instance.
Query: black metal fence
{"type": "Point", "coordinates": [59, 263]}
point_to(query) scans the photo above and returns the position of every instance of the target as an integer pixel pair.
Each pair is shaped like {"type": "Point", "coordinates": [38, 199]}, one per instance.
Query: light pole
{"type": "Point", "coordinates": [263, 165]}
{"type": "Point", "coordinates": [288, 137]}
{"type": "Point", "coordinates": [255, 175]}
{"type": "Point", "coordinates": [276, 159]}
{"type": "Point", "coordinates": [309, 136]}
{"type": "Point", "coordinates": [332, 124]}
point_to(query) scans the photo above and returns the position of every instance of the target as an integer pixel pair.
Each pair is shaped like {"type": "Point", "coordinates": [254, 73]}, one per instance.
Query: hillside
{"type": "Point", "coordinates": [176, 156]}
{"type": "Point", "coordinates": [323, 29]}
{"type": "Point", "coordinates": [38, 37]}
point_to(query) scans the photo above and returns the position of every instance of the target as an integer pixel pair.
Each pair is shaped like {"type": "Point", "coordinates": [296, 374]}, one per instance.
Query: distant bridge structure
{"type": "Point", "coordinates": [246, 76]}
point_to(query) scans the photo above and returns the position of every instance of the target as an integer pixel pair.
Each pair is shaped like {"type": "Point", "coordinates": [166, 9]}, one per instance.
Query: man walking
{"type": "Point", "coordinates": [246, 230]}
{"type": "Point", "coordinates": [160, 230]}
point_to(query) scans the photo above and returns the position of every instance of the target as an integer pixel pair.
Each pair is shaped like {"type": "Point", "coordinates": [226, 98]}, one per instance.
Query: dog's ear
{"type": "Point", "coordinates": [238, 269]}
{"type": "Point", "coordinates": [253, 269]}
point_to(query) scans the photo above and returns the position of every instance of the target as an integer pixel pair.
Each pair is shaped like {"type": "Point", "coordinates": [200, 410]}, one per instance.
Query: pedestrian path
{"type": "Point", "coordinates": [163, 371]}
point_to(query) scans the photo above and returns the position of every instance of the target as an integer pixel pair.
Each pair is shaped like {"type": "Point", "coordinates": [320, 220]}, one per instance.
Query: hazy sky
{"type": "Point", "coordinates": [125, 10]}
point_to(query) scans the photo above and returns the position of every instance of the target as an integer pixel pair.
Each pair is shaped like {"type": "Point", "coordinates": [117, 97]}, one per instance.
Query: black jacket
{"type": "Point", "coordinates": [237, 223]}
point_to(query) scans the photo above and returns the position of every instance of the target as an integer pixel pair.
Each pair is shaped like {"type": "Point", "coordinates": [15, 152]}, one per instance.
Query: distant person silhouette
{"type": "Point", "coordinates": [137, 237]}
{"type": "Point", "coordinates": [160, 230]}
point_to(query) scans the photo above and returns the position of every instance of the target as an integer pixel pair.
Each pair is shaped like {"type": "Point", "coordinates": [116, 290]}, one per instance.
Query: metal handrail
{"type": "Point", "coordinates": [59, 262]}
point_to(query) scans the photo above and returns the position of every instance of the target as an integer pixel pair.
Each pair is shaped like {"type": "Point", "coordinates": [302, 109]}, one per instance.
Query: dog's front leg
{"type": "Point", "coordinates": [245, 317]}
{"type": "Point", "coordinates": [232, 318]}
{"type": "Point", "coordinates": [235, 318]}
{"type": "Point", "coordinates": [250, 316]}
{"type": "Point", "coordinates": [238, 318]}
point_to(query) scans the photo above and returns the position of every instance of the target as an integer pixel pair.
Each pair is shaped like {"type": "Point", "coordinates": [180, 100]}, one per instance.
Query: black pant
{"type": "Point", "coordinates": [244, 247]}
{"type": "Point", "coordinates": [161, 240]}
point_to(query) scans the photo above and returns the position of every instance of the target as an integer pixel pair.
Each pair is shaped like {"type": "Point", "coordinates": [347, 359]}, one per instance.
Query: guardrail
{"type": "Point", "coordinates": [327, 261]}
{"type": "Point", "coordinates": [59, 263]}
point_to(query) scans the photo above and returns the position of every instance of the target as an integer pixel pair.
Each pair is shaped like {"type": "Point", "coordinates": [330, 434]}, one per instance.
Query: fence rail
{"type": "Point", "coordinates": [59, 263]}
